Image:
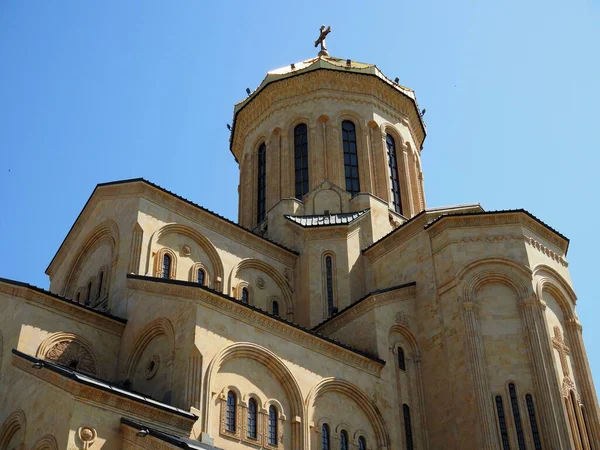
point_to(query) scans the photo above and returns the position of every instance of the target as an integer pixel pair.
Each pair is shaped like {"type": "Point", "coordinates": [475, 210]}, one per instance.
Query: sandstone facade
{"type": "Point", "coordinates": [339, 313]}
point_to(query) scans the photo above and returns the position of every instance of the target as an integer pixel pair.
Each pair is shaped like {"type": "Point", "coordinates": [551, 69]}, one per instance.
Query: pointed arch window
{"type": "Point", "coordinates": [329, 284]}
{"type": "Point", "coordinates": [272, 425]}
{"type": "Point", "coordinates": [262, 183]}
{"type": "Point", "coordinates": [350, 157]}
{"type": "Point", "coordinates": [407, 427]}
{"type": "Point", "coordinates": [325, 437]}
{"type": "Point", "coordinates": [252, 413]}
{"type": "Point", "coordinates": [344, 440]}
{"type": "Point", "coordinates": [502, 423]}
{"type": "Point", "coordinates": [362, 443]}
{"type": "Point", "coordinates": [401, 359]}
{"type": "Point", "coordinates": [394, 178]}
{"type": "Point", "coordinates": [230, 424]}
{"type": "Point", "coordinates": [514, 402]}
{"type": "Point", "coordinates": [201, 276]}
{"type": "Point", "coordinates": [100, 281]}
{"type": "Point", "coordinates": [533, 422]}
{"type": "Point", "coordinates": [166, 272]}
{"type": "Point", "coordinates": [245, 295]}
{"type": "Point", "coordinates": [301, 159]}
{"type": "Point", "coordinates": [275, 308]}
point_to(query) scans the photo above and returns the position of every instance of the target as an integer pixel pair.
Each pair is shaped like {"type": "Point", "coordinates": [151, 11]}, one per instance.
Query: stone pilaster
{"type": "Point", "coordinates": [193, 386]}
{"type": "Point", "coordinates": [406, 194]}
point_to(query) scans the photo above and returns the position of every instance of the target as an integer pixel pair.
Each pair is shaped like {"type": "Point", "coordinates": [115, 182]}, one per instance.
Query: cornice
{"type": "Point", "coordinates": [177, 204]}
{"type": "Point", "coordinates": [343, 86]}
{"type": "Point", "coordinates": [64, 307]}
{"type": "Point", "coordinates": [259, 319]}
{"type": "Point", "coordinates": [366, 304]}
{"type": "Point", "coordinates": [516, 217]}
{"type": "Point", "coordinates": [396, 237]}
{"type": "Point", "coordinates": [105, 399]}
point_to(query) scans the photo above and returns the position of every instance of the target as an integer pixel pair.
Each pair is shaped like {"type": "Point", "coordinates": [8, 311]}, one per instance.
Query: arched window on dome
{"type": "Point", "coordinates": [230, 424]}
{"type": "Point", "coordinates": [262, 183]}
{"type": "Point", "coordinates": [533, 422]}
{"type": "Point", "coordinates": [166, 272]}
{"type": "Point", "coordinates": [245, 295]}
{"type": "Point", "coordinates": [514, 402]}
{"type": "Point", "coordinates": [273, 425]}
{"type": "Point", "coordinates": [252, 415]}
{"type": "Point", "coordinates": [401, 359]}
{"type": "Point", "coordinates": [275, 308]}
{"type": "Point", "coordinates": [362, 443]}
{"type": "Point", "coordinates": [325, 437]}
{"type": "Point", "coordinates": [301, 160]}
{"type": "Point", "coordinates": [344, 440]}
{"type": "Point", "coordinates": [407, 427]}
{"type": "Point", "coordinates": [201, 276]}
{"type": "Point", "coordinates": [350, 157]}
{"type": "Point", "coordinates": [502, 423]}
{"type": "Point", "coordinates": [393, 169]}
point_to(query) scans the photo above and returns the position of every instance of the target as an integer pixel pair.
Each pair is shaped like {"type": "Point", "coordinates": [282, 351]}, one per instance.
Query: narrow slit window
{"type": "Point", "coordinates": [325, 437]}
{"type": "Point", "coordinates": [502, 423]}
{"type": "Point", "coordinates": [350, 157]}
{"type": "Point", "coordinates": [230, 412]}
{"type": "Point", "coordinates": [245, 296]}
{"type": "Point", "coordinates": [362, 443]}
{"type": "Point", "coordinates": [201, 276]}
{"type": "Point", "coordinates": [272, 425]}
{"type": "Point", "coordinates": [533, 422]}
{"type": "Point", "coordinates": [329, 284]}
{"type": "Point", "coordinates": [407, 427]}
{"type": "Point", "coordinates": [344, 440]}
{"type": "Point", "coordinates": [88, 297]}
{"type": "Point", "coordinates": [275, 308]}
{"type": "Point", "coordinates": [401, 360]}
{"type": "Point", "coordinates": [301, 160]}
{"type": "Point", "coordinates": [262, 183]}
{"type": "Point", "coordinates": [166, 272]}
{"type": "Point", "coordinates": [252, 412]}
{"type": "Point", "coordinates": [100, 281]}
{"type": "Point", "coordinates": [394, 178]}
{"type": "Point", "coordinates": [514, 402]}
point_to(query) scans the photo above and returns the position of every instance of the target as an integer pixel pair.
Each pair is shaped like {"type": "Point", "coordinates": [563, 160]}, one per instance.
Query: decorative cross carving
{"type": "Point", "coordinates": [321, 40]}
{"type": "Point", "coordinates": [559, 344]}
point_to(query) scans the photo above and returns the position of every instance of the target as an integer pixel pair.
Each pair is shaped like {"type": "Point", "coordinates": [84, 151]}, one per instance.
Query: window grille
{"type": "Point", "coordinates": [262, 183]}
{"type": "Point", "coordinates": [350, 157]}
{"type": "Point", "coordinates": [394, 178]}
{"type": "Point", "coordinates": [301, 160]}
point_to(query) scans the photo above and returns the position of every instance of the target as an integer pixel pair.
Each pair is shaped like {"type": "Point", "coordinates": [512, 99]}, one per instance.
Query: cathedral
{"type": "Point", "coordinates": [338, 313]}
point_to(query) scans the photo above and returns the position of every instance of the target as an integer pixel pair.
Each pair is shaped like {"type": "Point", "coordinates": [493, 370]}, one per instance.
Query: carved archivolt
{"type": "Point", "coordinates": [12, 425]}
{"type": "Point", "coordinates": [548, 279]}
{"type": "Point", "coordinates": [194, 274]}
{"type": "Point", "coordinates": [105, 233]}
{"type": "Point", "coordinates": [278, 369]}
{"type": "Point", "coordinates": [71, 351]}
{"type": "Point", "coordinates": [158, 327]}
{"type": "Point", "coordinates": [360, 398]}
{"type": "Point", "coordinates": [47, 442]}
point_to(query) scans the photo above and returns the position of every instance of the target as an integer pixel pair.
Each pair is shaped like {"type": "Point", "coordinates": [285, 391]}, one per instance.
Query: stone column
{"type": "Point", "coordinates": [583, 377]}
{"type": "Point", "coordinates": [323, 120]}
{"type": "Point", "coordinates": [487, 429]}
{"type": "Point", "coordinates": [549, 413]}
{"type": "Point", "coordinates": [407, 197]}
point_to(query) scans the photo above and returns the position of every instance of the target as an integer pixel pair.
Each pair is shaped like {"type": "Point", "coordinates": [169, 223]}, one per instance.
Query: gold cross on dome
{"type": "Point", "coordinates": [321, 40]}
{"type": "Point", "coordinates": [559, 344]}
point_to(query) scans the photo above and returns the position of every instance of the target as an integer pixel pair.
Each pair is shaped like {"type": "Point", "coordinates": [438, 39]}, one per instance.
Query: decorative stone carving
{"type": "Point", "coordinates": [152, 367]}
{"type": "Point", "coordinates": [72, 355]}
{"type": "Point", "coordinates": [186, 250]}
{"type": "Point", "coordinates": [260, 283]}
{"type": "Point", "coordinates": [87, 434]}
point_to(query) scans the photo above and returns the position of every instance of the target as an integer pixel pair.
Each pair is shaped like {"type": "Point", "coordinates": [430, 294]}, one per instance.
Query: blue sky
{"type": "Point", "coordinates": [99, 91]}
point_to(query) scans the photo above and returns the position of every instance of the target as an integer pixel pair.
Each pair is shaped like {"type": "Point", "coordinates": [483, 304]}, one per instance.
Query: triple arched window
{"type": "Point", "coordinates": [301, 160]}
{"type": "Point", "coordinates": [350, 157]}
{"type": "Point", "coordinates": [262, 183]}
{"type": "Point", "coordinates": [518, 425]}
{"type": "Point", "coordinates": [393, 169]}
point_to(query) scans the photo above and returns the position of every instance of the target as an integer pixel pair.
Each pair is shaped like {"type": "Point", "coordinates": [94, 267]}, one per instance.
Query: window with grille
{"type": "Point", "coordinates": [344, 440]}
{"type": "Point", "coordinates": [166, 272]}
{"type": "Point", "coordinates": [245, 296]}
{"type": "Point", "coordinates": [502, 423]}
{"type": "Point", "coordinates": [230, 412]}
{"type": "Point", "coordinates": [394, 178]}
{"type": "Point", "coordinates": [533, 422]}
{"type": "Point", "coordinates": [325, 437]}
{"type": "Point", "coordinates": [350, 157]}
{"type": "Point", "coordinates": [201, 276]}
{"type": "Point", "coordinates": [252, 412]}
{"type": "Point", "coordinates": [262, 183]}
{"type": "Point", "coordinates": [272, 425]}
{"type": "Point", "coordinates": [362, 443]}
{"type": "Point", "coordinates": [301, 160]}
{"type": "Point", "coordinates": [514, 402]}
{"type": "Point", "coordinates": [329, 284]}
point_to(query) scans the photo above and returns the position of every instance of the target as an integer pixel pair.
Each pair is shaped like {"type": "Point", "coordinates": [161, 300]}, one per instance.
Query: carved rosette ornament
{"type": "Point", "coordinates": [152, 367]}
{"type": "Point", "coordinates": [72, 355]}
{"type": "Point", "coordinates": [186, 250]}
{"type": "Point", "coordinates": [87, 434]}
{"type": "Point", "coordinates": [260, 283]}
